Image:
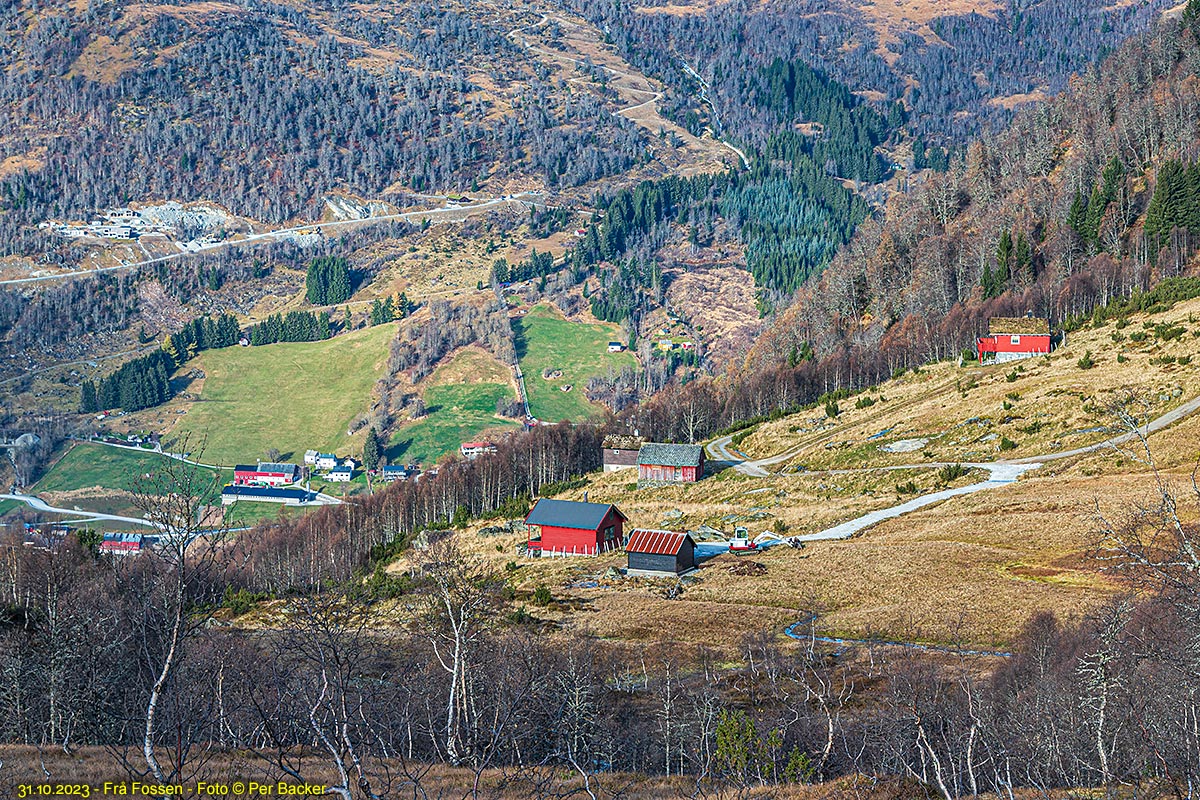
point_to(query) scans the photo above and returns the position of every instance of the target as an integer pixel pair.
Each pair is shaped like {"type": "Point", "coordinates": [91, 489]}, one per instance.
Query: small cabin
{"type": "Point", "coordinates": [621, 452]}
{"type": "Point", "coordinates": [670, 463]}
{"type": "Point", "coordinates": [569, 528]}
{"type": "Point", "coordinates": [1013, 338]}
{"type": "Point", "coordinates": [655, 553]}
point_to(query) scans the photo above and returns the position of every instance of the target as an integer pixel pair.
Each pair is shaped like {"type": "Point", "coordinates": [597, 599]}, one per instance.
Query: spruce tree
{"type": "Point", "coordinates": [372, 449]}
{"type": "Point", "coordinates": [87, 398]}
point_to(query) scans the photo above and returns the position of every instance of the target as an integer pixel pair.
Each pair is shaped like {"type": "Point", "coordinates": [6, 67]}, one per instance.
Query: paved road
{"type": "Point", "coordinates": [322, 498]}
{"type": "Point", "coordinates": [1165, 421]}
{"type": "Point", "coordinates": [467, 209]}
{"type": "Point", "coordinates": [38, 504]}
{"type": "Point", "coordinates": [1000, 475]}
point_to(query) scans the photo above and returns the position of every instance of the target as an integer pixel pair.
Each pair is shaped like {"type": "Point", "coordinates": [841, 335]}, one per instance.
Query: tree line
{"type": "Point", "coordinates": [295, 326]}
{"type": "Point", "coordinates": [146, 381]}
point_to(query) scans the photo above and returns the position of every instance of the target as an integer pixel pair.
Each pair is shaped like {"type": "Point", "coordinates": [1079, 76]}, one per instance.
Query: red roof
{"type": "Point", "coordinates": [476, 445]}
{"type": "Point", "coordinates": [659, 543]}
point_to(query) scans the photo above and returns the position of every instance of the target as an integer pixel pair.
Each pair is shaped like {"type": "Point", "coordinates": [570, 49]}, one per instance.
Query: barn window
{"type": "Point", "coordinates": [1014, 340]}
{"type": "Point", "coordinates": [608, 533]}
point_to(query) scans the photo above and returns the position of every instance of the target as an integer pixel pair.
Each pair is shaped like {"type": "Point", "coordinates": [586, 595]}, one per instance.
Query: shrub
{"type": "Point", "coordinates": [738, 438]}
{"type": "Point", "coordinates": [1007, 444]}
{"type": "Point", "coordinates": [951, 472]}
{"type": "Point", "coordinates": [832, 410]}
{"type": "Point", "coordinates": [865, 402]}
{"type": "Point", "coordinates": [1012, 376]}
{"type": "Point", "coordinates": [1117, 338]}
{"type": "Point", "coordinates": [542, 596]}
{"type": "Point", "coordinates": [906, 488]}
{"type": "Point", "coordinates": [1121, 359]}
{"type": "Point", "coordinates": [1137, 336]}
{"type": "Point", "coordinates": [1087, 362]}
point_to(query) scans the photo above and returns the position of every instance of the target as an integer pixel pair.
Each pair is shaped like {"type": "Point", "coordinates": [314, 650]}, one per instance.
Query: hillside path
{"type": "Point", "coordinates": [1001, 473]}
{"type": "Point", "coordinates": [463, 210]}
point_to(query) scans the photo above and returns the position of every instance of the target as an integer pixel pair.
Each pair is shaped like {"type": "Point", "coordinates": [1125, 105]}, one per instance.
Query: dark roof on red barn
{"type": "Point", "coordinates": [570, 514]}
{"type": "Point", "coordinates": [659, 543]}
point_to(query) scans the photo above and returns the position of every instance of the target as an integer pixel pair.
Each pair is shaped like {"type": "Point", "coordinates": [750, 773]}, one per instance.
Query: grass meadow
{"type": "Point", "coordinates": [546, 341]}
{"type": "Point", "coordinates": [290, 396]}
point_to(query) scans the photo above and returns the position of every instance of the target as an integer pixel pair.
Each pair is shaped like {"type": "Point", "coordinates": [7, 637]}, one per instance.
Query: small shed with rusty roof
{"type": "Point", "coordinates": [657, 553]}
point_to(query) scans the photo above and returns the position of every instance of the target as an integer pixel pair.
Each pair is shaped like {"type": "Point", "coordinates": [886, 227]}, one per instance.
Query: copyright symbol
{"type": "Point", "coordinates": [238, 787]}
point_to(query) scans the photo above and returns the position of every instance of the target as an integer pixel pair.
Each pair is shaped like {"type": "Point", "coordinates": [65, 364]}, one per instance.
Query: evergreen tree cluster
{"type": "Point", "coordinates": [630, 291]}
{"type": "Point", "coordinates": [145, 382]}
{"type": "Point", "coordinates": [295, 326]}
{"type": "Point", "coordinates": [792, 220]}
{"type": "Point", "coordinates": [931, 157]}
{"type": "Point", "coordinates": [793, 217]}
{"type": "Point", "coordinates": [373, 448]}
{"type": "Point", "coordinates": [1086, 216]}
{"type": "Point", "coordinates": [389, 309]}
{"type": "Point", "coordinates": [141, 383]}
{"type": "Point", "coordinates": [327, 282]}
{"type": "Point", "coordinates": [850, 129]}
{"type": "Point", "coordinates": [1014, 262]}
{"type": "Point", "coordinates": [1175, 204]}
{"type": "Point", "coordinates": [538, 265]}
{"type": "Point", "coordinates": [202, 333]}
{"type": "Point", "coordinates": [634, 213]}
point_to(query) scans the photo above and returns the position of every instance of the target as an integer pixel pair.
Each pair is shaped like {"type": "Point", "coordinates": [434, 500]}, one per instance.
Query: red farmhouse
{"type": "Point", "coordinates": [567, 528]}
{"type": "Point", "coordinates": [670, 463]}
{"type": "Point", "coordinates": [1011, 338]}
{"type": "Point", "coordinates": [265, 474]}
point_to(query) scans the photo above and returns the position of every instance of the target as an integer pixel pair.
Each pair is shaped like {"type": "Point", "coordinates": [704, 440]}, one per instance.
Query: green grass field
{"type": "Point", "coordinates": [546, 341]}
{"type": "Point", "coordinates": [291, 397]}
{"type": "Point", "coordinates": [8, 505]}
{"type": "Point", "coordinates": [457, 413]}
{"type": "Point", "coordinates": [88, 465]}
{"type": "Point", "coordinates": [244, 514]}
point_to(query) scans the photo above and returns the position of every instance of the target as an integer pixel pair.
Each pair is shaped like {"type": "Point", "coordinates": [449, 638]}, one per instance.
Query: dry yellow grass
{"type": "Point", "coordinates": [972, 569]}
{"type": "Point", "coordinates": [1057, 406]}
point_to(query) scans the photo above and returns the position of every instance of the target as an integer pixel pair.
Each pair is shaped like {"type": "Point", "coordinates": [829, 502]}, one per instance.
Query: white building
{"type": "Point", "coordinates": [340, 475]}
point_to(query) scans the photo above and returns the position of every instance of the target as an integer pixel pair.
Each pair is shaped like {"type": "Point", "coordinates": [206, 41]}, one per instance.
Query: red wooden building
{"type": "Point", "coordinates": [670, 463]}
{"type": "Point", "coordinates": [1012, 338]}
{"type": "Point", "coordinates": [265, 474]}
{"type": "Point", "coordinates": [567, 528]}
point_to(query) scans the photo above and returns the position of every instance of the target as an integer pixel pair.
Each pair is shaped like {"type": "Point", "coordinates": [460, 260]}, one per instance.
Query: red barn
{"type": "Point", "coordinates": [670, 463]}
{"type": "Point", "coordinates": [1011, 338]}
{"type": "Point", "coordinates": [567, 528]}
{"type": "Point", "coordinates": [266, 474]}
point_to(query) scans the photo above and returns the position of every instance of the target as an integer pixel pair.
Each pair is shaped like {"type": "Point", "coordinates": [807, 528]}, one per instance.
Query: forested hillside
{"type": "Point", "coordinates": [1080, 203]}
{"type": "Point", "coordinates": [950, 78]}
{"type": "Point", "coordinates": [267, 108]}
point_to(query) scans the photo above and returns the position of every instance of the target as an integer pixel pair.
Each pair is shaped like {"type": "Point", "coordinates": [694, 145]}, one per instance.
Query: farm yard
{"type": "Point", "coordinates": [99, 478]}
{"type": "Point", "coordinates": [291, 396]}
{"type": "Point", "coordinates": [569, 353]}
